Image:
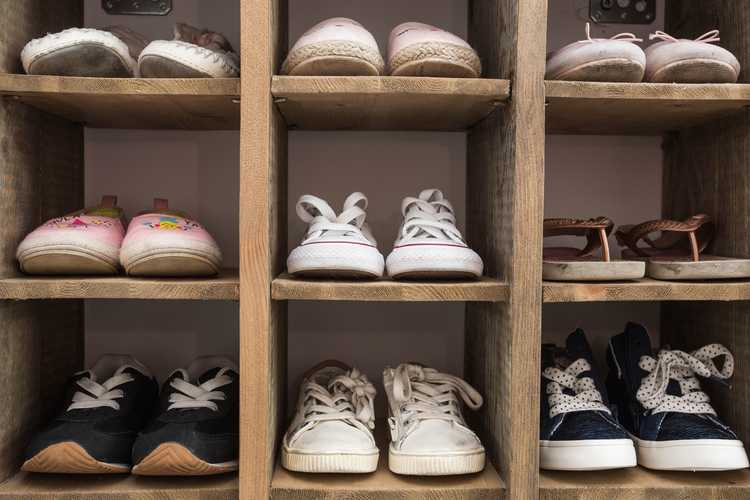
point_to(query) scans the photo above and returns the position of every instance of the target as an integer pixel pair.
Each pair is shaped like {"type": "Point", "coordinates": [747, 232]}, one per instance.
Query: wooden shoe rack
{"type": "Point", "coordinates": [706, 130]}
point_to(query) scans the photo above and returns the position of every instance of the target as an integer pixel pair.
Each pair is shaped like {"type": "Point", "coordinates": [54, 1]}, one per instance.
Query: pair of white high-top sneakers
{"type": "Point", "coordinates": [428, 244]}
{"type": "Point", "coordinates": [332, 430]}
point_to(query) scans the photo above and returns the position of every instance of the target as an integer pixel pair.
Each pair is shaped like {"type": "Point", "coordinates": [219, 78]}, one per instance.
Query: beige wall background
{"type": "Point", "coordinates": [586, 176]}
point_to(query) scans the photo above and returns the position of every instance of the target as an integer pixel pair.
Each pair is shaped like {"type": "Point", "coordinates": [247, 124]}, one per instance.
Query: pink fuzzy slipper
{"type": "Point", "coordinates": [84, 242]}
{"type": "Point", "coordinates": [164, 242]}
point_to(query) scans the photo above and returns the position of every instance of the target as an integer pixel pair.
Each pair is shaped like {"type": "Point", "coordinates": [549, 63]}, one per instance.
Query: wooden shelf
{"type": "Point", "coordinates": [224, 287]}
{"type": "Point", "coordinates": [646, 290]}
{"type": "Point", "coordinates": [638, 108]}
{"type": "Point", "coordinates": [286, 287]}
{"type": "Point", "coordinates": [194, 104]}
{"type": "Point", "coordinates": [643, 484]}
{"type": "Point", "coordinates": [25, 486]}
{"type": "Point", "coordinates": [386, 103]}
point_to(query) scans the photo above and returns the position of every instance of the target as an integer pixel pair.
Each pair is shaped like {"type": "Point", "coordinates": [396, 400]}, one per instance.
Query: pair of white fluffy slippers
{"type": "Point", "coordinates": [343, 47]}
{"type": "Point", "coordinates": [669, 60]}
{"type": "Point", "coordinates": [119, 52]}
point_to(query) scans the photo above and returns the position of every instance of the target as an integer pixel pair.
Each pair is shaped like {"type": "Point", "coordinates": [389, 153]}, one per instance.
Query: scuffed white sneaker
{"type": "Point", "coordinates": [429, 245]}
{"type": "Point", "coordinates": [429, 436]}
{"type": "Point", "coordinates": [332, 428]}
{"type": "Point", "coordinates": [335, 245]}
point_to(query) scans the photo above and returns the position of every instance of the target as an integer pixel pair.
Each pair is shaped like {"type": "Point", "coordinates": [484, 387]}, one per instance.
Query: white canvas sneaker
{"type": "Point", "coordinates": [335, 245]}
{"type": "Point", "coordinates": [429, 245]}
{"type": "Point", "coordinates": [429, 436]}
{"type": "Point", "coordinates": [332, 429]}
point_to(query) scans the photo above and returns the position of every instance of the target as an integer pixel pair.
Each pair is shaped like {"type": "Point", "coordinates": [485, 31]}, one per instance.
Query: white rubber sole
{"type": "Point", "coordinates": [612, 69]}
{"type": "Point", "coordinates": [62, 259]}
{"type": "Point", "coordinates": [426, 260]}
{"type": "Point", "coordinates": [176, 59]}
{"type": "Point", "coordinates": [333, 462]}
{"type": "Point", "coordinates": [336, 259]}
{"type": "Point", "coordinates": [692, 454]}
{"type": "Point", "coordinates": [449, 464]}
{"type": "Point", "coordinates": [585, 455]}
{"type": "Point", "coordinates": [693, 70]}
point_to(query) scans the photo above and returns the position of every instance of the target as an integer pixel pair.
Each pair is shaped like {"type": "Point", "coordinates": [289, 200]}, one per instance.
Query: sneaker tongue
{"type": "Point", "coordinates": [578, 347]}
{"type": "Point", "coordinates": [203, 38]}
{"type": "Point", "coordinates": [113, 213]}
{"type": "Point", "coordinates": [208, 375]}
{"type": "Point", "coordinates": [135, 41]}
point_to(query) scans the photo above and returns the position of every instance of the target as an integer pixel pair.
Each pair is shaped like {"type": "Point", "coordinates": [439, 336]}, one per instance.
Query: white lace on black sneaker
{"type": "Point", "coordinates": [106, 394]}
{"type": "Point", "coordinates": [682, 367]}
{"type": "Point", "coordinates": [340, 245]}
{"type": "Point", "coordinates": [428, 433]}
{"type": "Point", "coordinates": [587, 397]}
{"type": "Point", "coordinates": [429, 243]}
{"type": "Point", "coordinates": [191, 396]}
{"type": "Point", "coordinates": [331, 431]}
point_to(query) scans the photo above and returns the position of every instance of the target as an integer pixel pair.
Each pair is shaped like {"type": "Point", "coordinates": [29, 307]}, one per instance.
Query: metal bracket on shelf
{"type": "Point", "coordinates": [623, 11]}
{"type": "Point", "coordinates": [137, 7]}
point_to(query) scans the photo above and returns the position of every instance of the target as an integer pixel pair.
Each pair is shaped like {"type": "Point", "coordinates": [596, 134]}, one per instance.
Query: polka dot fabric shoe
{"type": "Point", "coordinates": [661, 404]}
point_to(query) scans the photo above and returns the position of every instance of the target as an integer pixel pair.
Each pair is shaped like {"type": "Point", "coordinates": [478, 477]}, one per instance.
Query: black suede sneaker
{"type": "Point", "coordinates": [197, 430]}
{"type": "Point", "coordinates": [578, 430]}
{"type": "Point", "coordinates": [104, 409]}
{"type": "Point", "coordinates": [661, 404]}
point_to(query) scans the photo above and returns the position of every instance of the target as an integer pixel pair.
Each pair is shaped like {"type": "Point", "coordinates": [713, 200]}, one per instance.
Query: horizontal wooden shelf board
{"type": "Point", "coordinates": [642, 484]}
{"type": "Point", "coordinates": [646, 290]}
{"type": "Point", "coordinates": [158, 103]}
{"type": "Point", "coordinates": [226, 286]}
{"type": "Point", "coordinates": [386, 103]}
{"type": "Point", "coordinates": [286, 287]}
{"type": "Point", "coordinates": [638, 108]}
{"type": "Point", "coordinates": [25, 486]}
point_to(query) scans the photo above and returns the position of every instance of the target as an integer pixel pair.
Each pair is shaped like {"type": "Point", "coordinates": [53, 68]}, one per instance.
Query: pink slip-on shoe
{"type": "Point", "coordinates": [335, 47]}
{"type": "Point", "coordinates": [417, 49]}
{"type": "Point", "coordinates": [690, 61]}
{"type": "Point", "coordinates": [163, 242]}
{"type": "Point", "coordinates": [84, 242]}
{"type": "Point", "coordinates": [616, 59]}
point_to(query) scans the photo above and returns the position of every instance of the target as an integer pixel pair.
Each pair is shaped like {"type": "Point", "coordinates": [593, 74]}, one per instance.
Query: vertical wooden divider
{"type": "Point", "coordinates": [706, 170]}
{"type": "Point", "coordinates": [41, 176]}
{"type": "Point", "coordinates": [262, 246]}
{"type": "Point", "coordinates": [505, 190]}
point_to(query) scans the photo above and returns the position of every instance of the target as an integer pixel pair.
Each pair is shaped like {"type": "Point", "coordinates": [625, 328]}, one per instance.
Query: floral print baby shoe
{"type": "Point", "coordinates": [163, 242]}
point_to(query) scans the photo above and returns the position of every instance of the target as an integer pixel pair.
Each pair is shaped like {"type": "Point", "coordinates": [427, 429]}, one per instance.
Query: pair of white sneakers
{"type": "Point", "coordinates": [343, 47]}
{"type": "Point", "coordinates": [332, 430]}
{"type": "Point", "coordinates": [428, 244]}
{"type": "Point", "coordinates": [669, 60]}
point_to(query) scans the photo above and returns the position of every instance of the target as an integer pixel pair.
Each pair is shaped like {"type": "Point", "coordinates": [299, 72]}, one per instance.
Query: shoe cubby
{"type": "Point", "coordinates": [698, 157]}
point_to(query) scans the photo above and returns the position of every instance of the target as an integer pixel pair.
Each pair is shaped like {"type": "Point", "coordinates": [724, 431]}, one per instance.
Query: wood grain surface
{"type": "Point", "coordinates": [646, 290]}
{"type": "Point", "coordinates": [386, 103]}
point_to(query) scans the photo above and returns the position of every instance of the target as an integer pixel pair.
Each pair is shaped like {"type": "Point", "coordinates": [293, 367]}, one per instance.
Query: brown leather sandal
{"type": "Point", "coordinates": [574, 264]}
{"type": "Point", "coordinates": [677, 254]}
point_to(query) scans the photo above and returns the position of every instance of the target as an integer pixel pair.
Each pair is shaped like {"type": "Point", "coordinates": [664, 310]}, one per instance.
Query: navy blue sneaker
{"type": "Point", "coordinates": [578, 430]}
{"type": "Point", "coordinates": [660, 403]}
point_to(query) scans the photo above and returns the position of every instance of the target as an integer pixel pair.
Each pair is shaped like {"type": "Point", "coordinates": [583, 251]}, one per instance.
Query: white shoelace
{"type": "Point", "coordinates": [425, 393]}
{"type": "Point", "coordinates": [104, 395]}
{"type": "Point", "coordinates": [587, 397]}
{"type": "Point", "coordinates": [622, 37]}
{"type": "Point", "coordinates": [429, 216]}
{"type": "Point", "coordinates": [682, 367]}
{"type": "Point", "coordinates": [708, 37]}
{"type": "Point", "coordinates": [348, 396]}
{"type": "Point", "coordinates": [190, 396]}
{"type": "Point", "coordinates": [324, 223]}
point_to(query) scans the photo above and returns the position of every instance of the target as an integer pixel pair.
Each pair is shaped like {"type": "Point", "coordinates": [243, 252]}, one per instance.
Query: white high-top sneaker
{"type": "Point", "coordinates": [332, 429]}
{"type": "Point", "coordinates": [429, 436]}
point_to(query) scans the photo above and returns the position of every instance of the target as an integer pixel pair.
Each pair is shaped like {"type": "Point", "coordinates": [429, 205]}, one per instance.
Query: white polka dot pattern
{"type": "Point", "coordinates": [682, 367]}
{"type": "Point", "coordinates": [587, 397]}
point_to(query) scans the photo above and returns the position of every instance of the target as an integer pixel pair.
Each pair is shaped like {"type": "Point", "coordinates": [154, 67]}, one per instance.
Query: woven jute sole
{"type": "Point", "coordinates": [438, 59]}
{"type": "Point", "coordinates": [333, 463]}
{"type": "Point", "coordinates": [70, 458]}
{"type": "Point", "coordinates": [334, 58]}
{"type": "Point", "coordinates": [68, 262]}
{"type": "Point", "coordinates": [173, 265]}
{"type": "Point", "coordinates": [173, 459]}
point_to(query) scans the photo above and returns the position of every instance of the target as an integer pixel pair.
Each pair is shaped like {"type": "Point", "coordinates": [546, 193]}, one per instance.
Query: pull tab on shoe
{"type": "Point", "coordinates": [394, 430]}
{"type": "Point", "coordinates": [161, 204]}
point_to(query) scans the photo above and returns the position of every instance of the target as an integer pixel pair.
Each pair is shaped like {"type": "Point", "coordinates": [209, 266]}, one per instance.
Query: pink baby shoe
{"type": "Point", "coordinates": [690, 61]}
{"type": "Point", "coordinates": [335, 47]}
{"type": "Point", "coordinates": [163, 242]}
{"type": "Point", "coordinates": [417, 49]}
{"type": "Point", "coordinates": [84, 242]}
{"type": "Point", "coordinates": [616, 59]}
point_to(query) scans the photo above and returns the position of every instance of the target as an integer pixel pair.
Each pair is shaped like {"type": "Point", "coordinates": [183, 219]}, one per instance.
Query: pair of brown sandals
{"type": "Point", "coordinates": [676, 254]}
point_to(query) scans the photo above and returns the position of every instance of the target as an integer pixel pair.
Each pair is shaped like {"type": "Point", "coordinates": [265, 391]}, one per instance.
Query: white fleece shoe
{"type": "Point", "coordinates": [429, 245]}
{"type": "Point", "coordinates": [429, 436]}
{"type": "Point", "coordinates": [332, 428]}
{"type": "Point", "coordinates": [335, 245]}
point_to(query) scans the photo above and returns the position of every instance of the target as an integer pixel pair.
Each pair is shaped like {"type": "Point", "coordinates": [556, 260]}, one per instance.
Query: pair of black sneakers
{"type": "Point", "coordinates": [115, 421]}
{"type": "Point", "coordinates": [651, 411]}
